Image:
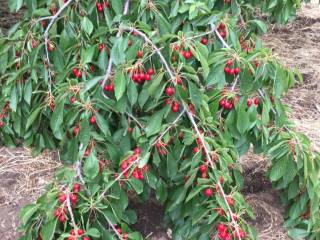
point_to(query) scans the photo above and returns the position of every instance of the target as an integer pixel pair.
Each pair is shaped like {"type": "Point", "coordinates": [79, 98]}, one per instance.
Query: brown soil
{"type": "Point", "coordinates": [23, 177]}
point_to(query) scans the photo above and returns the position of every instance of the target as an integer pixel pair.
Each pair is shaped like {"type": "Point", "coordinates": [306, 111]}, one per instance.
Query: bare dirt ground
{"type": "Point", "coordinates": [24, 177]}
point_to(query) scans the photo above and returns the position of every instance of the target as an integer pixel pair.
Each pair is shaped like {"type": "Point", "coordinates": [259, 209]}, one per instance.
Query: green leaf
{"type": "Point", "coordinates": [33, 116]}
{"type": "Point", "coordinates": [27, 212]}
{"type": "Point", "coordinates": [278, 169]}
{"type": "Point", "coordinates": [117, 6]}
{"type": "Point", "coordinates": [195, 94]}
{"type": "Point", "coordinates": [57, 119]}
{"type": "Point", "coordinates": [137, 185]}
{"type": "Point", "coordinates": [195, 191]}
{"type": "Point", "coordinates": [243, 121]}
{"type": "Point", "coordinates": [154, 124]}
{"type": "Point", "coordinates": [199, 214]}
{"type": "Point", "coordinates": [87, 54]}
{"type": "Point", "coordinates": [92, 83]}
{"type": "Point", "coordinates": [118, 50]}
{"type": "Point", "coordinates": [144, 160]}
{"type": "Point", "coordinates": [87, 25]}
{"type": "Point", "coordinates": [120, 84]}
{"type": "Point", "coordinates": [298, 233]}
{"type": "Point", "coordinates": [91, 166]}
{"type": "Point", "coordinates": [48, 229]}
{"type": "Point", "coordinates": [93, 232]}
{"type": "Point", "coordinates": [103, 124]}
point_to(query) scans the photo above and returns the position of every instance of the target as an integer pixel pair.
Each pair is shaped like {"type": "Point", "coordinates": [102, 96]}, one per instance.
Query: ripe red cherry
{"type": "Point", "coordinates": [187, 55]}
{"type": "Point", "coordinates": [227, 70]}
{"type": "Point", "coordinates": [222, 103]}
{"type": "Point", "coordinates": [129, 43]}
{"type": "Point", "coordinates": [179, 80]}
{"type": "Point", "coordinates": [76, 131]}
{"type": "Point", "coordinates": [72, 100]}
{"type": "Point", "coordinates": [170, 91]}
{"type": "Point", "coordinates": [107, 4]}
{"type": "Point", "coordinates": [232, 72]}
{"type": "Point", "coordinates": [175, 107]}
{"type": "Point", "coordinates": [62, 198]}
{"type": "Point", "coordinates": [75, 71]}
{"type": "Point", "coordinates": [99, 7]}
{"type": "Point", "coordinates": [34, 43]}
{"type": "Point", "coordinates": [86, 238]}
{"type": "Point", "coordinates": [221, 227]}
{"type": "Point", "coordinates": [203, 168]}
{"type": "Point", "coordinates": [62, 219]}
{"type": "Point", "coordinates": [93, 120]}
{"type": "Point", "coordinates": [150, 71]}
{"type": "Point", "coordinates": [76, 187]}
{"type": "Point", "coordinates": [256, 101]}
{"type": "Point", "coordinates": [223, 34]}
{"type": "Point", "coordinates": [221, 180]}
{"type": "Point", "coordinates": [204, 41]}
{"type": "Point", "coordinates": [80, 232]}
{"type": "Point", "coordinates": [1, 124]}
{"type": "Point", "coordinates": [195, 149]}
{"type": "Point", "coordinates": [135, 77]}
{"type": "Point", "coordinates": [230, 201]}
{"type": "Point", "coordinates": [147, 77]}
{"type": "Point", "coordinates": [101, 47]}
{"type": "Point", "coordinates": [139, 54]}
{"type": "Point", "coordinates": [73, 232]}
{"type": "Point", "coordinates": [208, 192]}
{"type": "Point", "coordinates": [73, 198]}
{"type": "Point", "coordinates": [79, 74]}
{"type": "Point", "coordinates": [229, 62]}
{"type": "Point", "coordinates": [109, 88]}
{"type": "Point", "coordinates": [222, 26]}
{"type": "Point", "coordinates": [249, 102]}
{"type": "Point", "coordinates": [142, 76]}
{"type": "Point", "coordinates": [137, 151]}
{"type": "Point", "coordinates": [236, 70]}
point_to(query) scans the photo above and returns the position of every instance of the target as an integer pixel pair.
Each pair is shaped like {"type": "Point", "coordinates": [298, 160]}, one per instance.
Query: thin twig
{"type": "Point", "coordinates": [46, 38]}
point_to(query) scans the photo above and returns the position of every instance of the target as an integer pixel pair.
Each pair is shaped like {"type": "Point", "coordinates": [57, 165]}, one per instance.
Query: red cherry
{"type": "Point", "coordinates": [204, 41]}
{"type": "Point", "coordinates": [80, 232]}
{"type": "Point", "coordinates": [203, 168]}
{"type": "Point", "coordinates": [236, 70]}
{"type": "Point", "coordinates": [230, 201]}
{"type": "Point", "coordinates": [99, 7]}
{"type": "Point", "coordinates": [223, 34]}
{"type": "Point", "coordinates": [232, 72]}
{"type": "Point", "coordinates": [147, 77]}
{"type": "Point", "coordinates": [139, 54]}
{"type": "Point", "coordinates": [208, 192]}
{"type": "Point", "coordinates": [170, 91]}
{"type": "Point", "coordinates": [221, 227]}
{"type": "Point", "coordinates": [51, 47]}
{"type": "Point", "coordinates": [221, 180]}
{"type": "Point", "coordinates": [227, 70]}
{"type": "Point", "coordinates": [62, 198]}
{"type": "Point", "coordinates": [1, 124]}
{"type": "Point", "coordinates": [76, 187]}
{"type": "Point", "coordinates": [75, 71]}
{"type": "Point", "coordinates": [129, 43]}
{"type": "Point", "coordinates": [107, 4]}
{"type": "Point", "coordinates": [195, 149]}
{"type": "Point", "coordinates": [76, 131]}
{"type": "Point", "coordinates": [101, 47]}
{"type": "Point", "coordinates": [86, 238]}
{"type": "Point", "coordinates": [93, 120]}
{"type": "Point", "coordinates": [72, 100]}
{"type": "Point", "coordinates": [142, 76]}
{"type": "Point", "coordinates": [229, 62]}
{"type": "Point", "coordinates": [175, 107]}
{"type": "Point", "coordinates": [62, 219]}
{"type": "Point", "coordinates": [79, 74]}
{"type": "Point", "coordinates": [256, 101]}
{"type": "Point", "coordinates": [73, 198]}
{"type": "Point", "coordinates": [34, 43]}
{"type": "Point", "coordinates": [130, 129]}
{"type": "Point", "coordinates": [73, 232]}
{"type": "Point", "coordinates": [179, 80]}
{"type": "Point", "coordinates": [249, 102]}
{"type": "Point", "coordinates": [222, 26]}
{"type": "Point", "coordinates": [135, 77]}
{"type": "Point", "coordinates": [150, 71]}
{"type": "Point", "coordinates": [187, 55]}
{"type": "Point", "coordinates": [137, 151]}
{"type": "Point", "coordinates": [222, 103]}
{"type": "Point", "coordinates": [91, 68]}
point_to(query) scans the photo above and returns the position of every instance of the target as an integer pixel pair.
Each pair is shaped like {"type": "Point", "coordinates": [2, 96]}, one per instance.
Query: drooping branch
{"type": "Point", "coordinates": [109, 68]}
{"type": "Point", "coordinates": [191, 118]}
{"type": "Point", "coordinates": [46, 38]}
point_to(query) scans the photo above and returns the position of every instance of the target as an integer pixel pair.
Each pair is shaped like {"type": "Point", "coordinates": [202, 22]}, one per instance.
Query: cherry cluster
{"type": "Point", "coordinates": [139, 75]}
{"type": "Point", "coordinates": [61, 212]}
{"type": "Point", "coordinates": [222, 30]}
{"type": "Point", "coordinates": [255, 101]}
{"type": "Point", "coordinates": [226, 103]}
{"type": "Point", "coordinates": [77, 235]}
{"type": "Point", "coordinates": [223, 233]}
{"type": "Point", "coordinates": [129, 162]}
{"type": "Point", "coordinates": [3, 113]}
{"type": "Point", "coordinates": [100, 6]}
{"type": "Point", "coordinates": [102, 47]}
{"type": "Point", "coordinates": [229, 70]}
{"type": "Point", "coordinates": [125, 236]}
